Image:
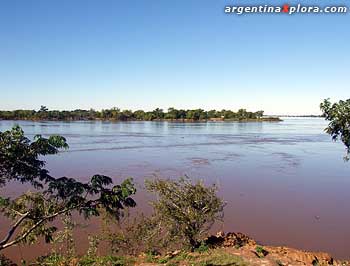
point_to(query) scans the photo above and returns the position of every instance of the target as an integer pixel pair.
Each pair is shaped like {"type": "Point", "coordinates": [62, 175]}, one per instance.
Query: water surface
{"type": "Point", "coordinates": [285, 183]}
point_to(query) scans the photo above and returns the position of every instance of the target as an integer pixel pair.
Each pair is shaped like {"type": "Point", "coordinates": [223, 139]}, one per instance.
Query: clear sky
{"type": "Point", "coordinates": [158, 53]}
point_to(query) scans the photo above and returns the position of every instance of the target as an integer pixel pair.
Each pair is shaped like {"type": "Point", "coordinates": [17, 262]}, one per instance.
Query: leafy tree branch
{"type": "Point", "coordinates": [338, 115]}
{"type": "Point", "coordinates": [33, 212]}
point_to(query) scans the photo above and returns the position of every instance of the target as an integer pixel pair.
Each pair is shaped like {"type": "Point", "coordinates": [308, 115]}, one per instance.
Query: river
{"type": "Point", "coordinates": [285, 183]}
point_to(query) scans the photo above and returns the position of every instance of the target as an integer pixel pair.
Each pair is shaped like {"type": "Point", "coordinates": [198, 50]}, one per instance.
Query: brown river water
{"type": "Point", "coordinates": [285, 183]}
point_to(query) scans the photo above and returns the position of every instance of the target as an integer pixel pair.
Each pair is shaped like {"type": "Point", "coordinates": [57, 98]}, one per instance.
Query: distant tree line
{"type": "Point", "coordinates": [126, 115]}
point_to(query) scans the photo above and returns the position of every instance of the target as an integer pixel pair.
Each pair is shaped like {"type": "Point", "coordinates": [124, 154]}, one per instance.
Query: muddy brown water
{"type": "Point", "coordinates": [285, 183]}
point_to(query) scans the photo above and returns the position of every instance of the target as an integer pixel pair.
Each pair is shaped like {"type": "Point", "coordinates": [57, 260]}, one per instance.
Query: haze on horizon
{"type": "Point", "coordinates": [187, 54]}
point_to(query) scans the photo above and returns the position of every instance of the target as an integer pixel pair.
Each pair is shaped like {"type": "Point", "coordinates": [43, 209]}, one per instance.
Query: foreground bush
{"type": "Point", "coordinates": [187, 210]}
{"type": "Point", "coordinates": [183, 212]}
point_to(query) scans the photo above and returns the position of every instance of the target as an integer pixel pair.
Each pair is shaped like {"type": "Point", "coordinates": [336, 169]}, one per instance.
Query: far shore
{"type": "Point", "coordinates": [263, 119]}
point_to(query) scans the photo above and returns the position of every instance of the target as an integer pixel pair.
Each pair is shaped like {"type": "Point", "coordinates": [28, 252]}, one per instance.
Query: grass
{"type": "Point", "coordinates": [87, 261]}
{"type": "Point", "coordinates": [215, 257]}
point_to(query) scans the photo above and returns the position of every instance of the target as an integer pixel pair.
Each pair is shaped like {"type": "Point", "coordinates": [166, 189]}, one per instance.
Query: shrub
{"type": "Point", "coordinates": [186, 209]}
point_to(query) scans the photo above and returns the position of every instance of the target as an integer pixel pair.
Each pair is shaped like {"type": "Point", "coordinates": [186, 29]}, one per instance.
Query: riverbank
{"type": "Point", "coordinates": [230, 249]}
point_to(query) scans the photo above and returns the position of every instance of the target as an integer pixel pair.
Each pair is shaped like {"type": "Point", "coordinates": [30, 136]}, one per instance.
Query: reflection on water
{"type": "Point", "coordinates": [275, 177]}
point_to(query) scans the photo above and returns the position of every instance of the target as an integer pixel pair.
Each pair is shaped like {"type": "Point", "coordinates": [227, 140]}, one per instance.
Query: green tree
{"type": "Point", "coordinates": [43, 108]}
{"type": "Point", "coordinates": [172, 113]}
{"type": "Point", "coordinates": [259, 114]}
{"type": "Point", "coordinates": [338, 115]}
{"type": "Point", "coordinates": [34, 212]}
{"type": "Point", "coordinates": [43, 112]}
{"type": "Point", "coordinates": [242, 114]}
{"type": "Point", "coordinates": [187, 209]}
{"type": "Point", "coordinates": [158, 113]}
{"type": "Point", "coordinates": [212, 114]}
{"type": "Point", "coordinates": [115, 113]}
{"type": "Point", "coordinates": [126, 115]}
{"type": "Point", "coordinates": [197, 114]}
{"type": "Point", "coordinates": [139, 115]}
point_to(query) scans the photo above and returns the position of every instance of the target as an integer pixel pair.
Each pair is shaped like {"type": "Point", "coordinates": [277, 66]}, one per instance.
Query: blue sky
{"type": "Point", "coordinates": [183, 54]}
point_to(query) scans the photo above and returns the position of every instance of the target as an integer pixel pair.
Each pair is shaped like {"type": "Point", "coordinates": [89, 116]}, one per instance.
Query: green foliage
{"type": "Point", "coordinates": [19, 158]}
{"type": "Point", "coordinates": [216, 257]}
{"type": "Point", "coordinates": [34, 212]}
{"type": "Point", "coordinates": [183, 212]}
{"type": "Point", "coordinates": [5, 261]}
{"type": "Point", "coordinates": [339, 126]}
{"type": "Point", "coordinates": [222, 260]}
{"type": "Point", "coordinates": [132, 236]}
{"type": "Point", "coordinates": [52, 259]}
{"type": "Point", "coordinates": [93, 246]}
{"type": "Point", "coordinates": [186, 209]}
{"type": "Point", "coordinates": [106, 261]}
{"type": "Point", "coordinates": [202, 248]}
{"type": "Point", "coordinates": [125, 115]}
{"type": "Point", "coordinates": [260, 251]}
{"type": "Point", "coordinates": [65, 239]}
{"type": "Point", "coordinates": [59, 260]}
